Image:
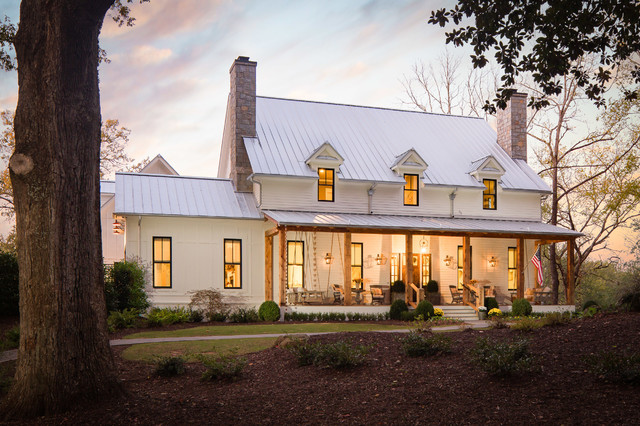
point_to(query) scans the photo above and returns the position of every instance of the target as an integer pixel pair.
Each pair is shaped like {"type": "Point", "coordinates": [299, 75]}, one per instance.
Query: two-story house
{"type": "Point", "coordinates": [313, 199]}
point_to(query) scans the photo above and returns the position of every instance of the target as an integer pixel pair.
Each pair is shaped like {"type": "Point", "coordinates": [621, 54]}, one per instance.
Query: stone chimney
{"type": "Point", "coordinates": [241, 121]}
{"type": "Point", "coordinates": [512, 127]}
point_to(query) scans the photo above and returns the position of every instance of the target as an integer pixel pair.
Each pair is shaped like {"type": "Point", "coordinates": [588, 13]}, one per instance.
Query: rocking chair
{"type": "Point", "coordinates": [456, 295]}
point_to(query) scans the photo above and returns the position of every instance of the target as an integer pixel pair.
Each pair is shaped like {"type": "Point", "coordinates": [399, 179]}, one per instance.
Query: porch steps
{"type": "Point", "coordinates": [459, 312]}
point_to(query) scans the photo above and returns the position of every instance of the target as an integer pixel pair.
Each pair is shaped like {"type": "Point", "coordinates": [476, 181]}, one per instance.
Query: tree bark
{"type": "Point", "coordinates": [64, 357]}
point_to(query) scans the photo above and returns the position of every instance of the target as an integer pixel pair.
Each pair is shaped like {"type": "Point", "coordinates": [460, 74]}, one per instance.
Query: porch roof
{"type": "Point", "coordinates": [365, 223]}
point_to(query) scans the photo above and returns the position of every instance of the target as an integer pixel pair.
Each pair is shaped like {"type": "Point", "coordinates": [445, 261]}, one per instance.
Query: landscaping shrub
{"type": "Point", "coordinates": [169, 366]}
{"type": "Point", "coordinates": [502, 358]}
{"type": "Point", "coordinates": [11, 339]}
{"type": "Point", "coordinates": [630, 299]}
{"type": "Point", "coordinates": [424, 308]}
{"type": "Point", "coordinates": [491, 303]}
{"type": "Point", "coordinates": [9, 283]}
{"type": "Point", "coordinates": [521, 308]}
{"type": "Point", "coordinates": [243, 315]}
{"type": "Point", "coordinates": [124, 286]}
{"type": "Point", "coordinates": [397, 307]}
{"type": "Point", "coordinates": [408, 315]}
{"type": "Point", "coordinates": [304, 351]}
{"type": "Point", "coordinates": [269, 311]}
{"type": "Point", "coordinates": [615, 367]}
{"type": "Point", "coordinates": [159, 317]}
{"type": "Point", "coordinates": [556, 318]}
{"type": "Point", "coordinates": [126, 318]}
{"type": "Point", "coordinates": [210, 302]}
{"type": "Point", "coordinates": [195, 316]}
{"type": "Point", "coordinates": [397, 286]}
{"type": "Point", "coordinates": [432, 286]}
{"type": "Point", "coordinates": [527, 324]}
{"type": "Point", "coordinates": [416, 344]}
{"type": "Point", "coordinates": [222, 367]}
{"type": "Point", "coordinates": [586, 305]}
{"type": "Point", "coordinates": [339, 355]}
{"type": "Point", "coordinates": [499, 322]}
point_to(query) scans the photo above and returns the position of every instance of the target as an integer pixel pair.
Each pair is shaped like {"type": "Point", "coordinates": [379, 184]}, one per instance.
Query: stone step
{"type": "Point", "coordinates": [459, 312]}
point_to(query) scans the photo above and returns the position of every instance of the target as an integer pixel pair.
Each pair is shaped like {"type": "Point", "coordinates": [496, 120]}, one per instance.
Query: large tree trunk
{"type": "Point", "coordinates": [64, 356]}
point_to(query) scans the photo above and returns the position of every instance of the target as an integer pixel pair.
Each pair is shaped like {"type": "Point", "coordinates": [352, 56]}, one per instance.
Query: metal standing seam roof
{"type": "Point", "coordinates": [416, 223]}
{"type": "Point", "coordinates": [164, 195]}
{"type": "Point", "coordinates": [370, 139]}
{"type": "Point", "coordinates": [107, 187]}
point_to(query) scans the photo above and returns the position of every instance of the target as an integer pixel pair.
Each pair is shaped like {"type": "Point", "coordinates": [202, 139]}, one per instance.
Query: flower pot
{"type": "Point", "coordinates": [482, 315]}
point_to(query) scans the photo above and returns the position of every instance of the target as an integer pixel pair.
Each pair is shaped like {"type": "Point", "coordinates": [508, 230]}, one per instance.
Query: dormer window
{"type": "Point", "coordinates": [489, 196]}
{"type": "Point", "coordinates": [326, 184]}
{"type": "Point", "coordinates": [411, 190]}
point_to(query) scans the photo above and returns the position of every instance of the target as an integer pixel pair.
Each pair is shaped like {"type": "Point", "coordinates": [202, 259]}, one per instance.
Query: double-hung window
{"type": "Point", "coordinates": [411, 190]}
{"type": "Point", "coordinates": [295, 264]}
{"type": "Point", "coordinates": [489, 196]}
{"type": "Point", "coordinates": [162, 262]}
{"type": "Point", "coordinates": [232, 263]}
{"type": "Point", "coordinates": [512, 268]}
{"type": "Point", "coordinates": [356, 265]}
{"type": "Point", "coordinates": [326, 185]}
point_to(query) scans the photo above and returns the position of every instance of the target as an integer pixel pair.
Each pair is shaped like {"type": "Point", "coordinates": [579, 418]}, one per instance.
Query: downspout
{"type": "Point", "coordinates": [139, 237]}
{"type": "Point", "coordinates": [452, 197]}
{"type": "Point", "coordinates": [252, 180]}
{"type": "Point", "coordinates": [370, 192]}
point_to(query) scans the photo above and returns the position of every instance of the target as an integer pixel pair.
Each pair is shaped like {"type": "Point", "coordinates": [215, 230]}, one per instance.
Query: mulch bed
{"type": "Point", "coordinates": [392, 388]}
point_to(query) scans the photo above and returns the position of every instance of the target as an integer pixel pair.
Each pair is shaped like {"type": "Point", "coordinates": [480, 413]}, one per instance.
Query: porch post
{"type": "Point", "coordinates": [347, 268]}
{"type": "Point", "coordinates": [268, 267]}
{"type": "Point", "coordinates": [570, 272]}
{"type": "Point", "coordinates": [520, 268]}
{"type": "Point", "coordinates": [282, 236]}
{"type": "Point", "coordinates": [466, 267]}
{"type": "Point", "coordinates": [409, 258]}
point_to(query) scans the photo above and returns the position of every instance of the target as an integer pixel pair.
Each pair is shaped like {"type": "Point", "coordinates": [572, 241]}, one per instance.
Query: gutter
{"type": "Point", "coordinates": [370, 193]}
{"type": "Point", "coordinates": [251, 179]}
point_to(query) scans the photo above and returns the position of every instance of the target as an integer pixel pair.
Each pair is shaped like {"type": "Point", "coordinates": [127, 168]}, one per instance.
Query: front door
{"type": "Point", "coordinates": [425, 269]}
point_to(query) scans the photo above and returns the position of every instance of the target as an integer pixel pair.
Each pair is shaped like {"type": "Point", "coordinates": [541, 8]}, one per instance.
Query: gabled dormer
{"type": "Point", "coordinates": [409, 162]}
{"type": "Point", "coordinates": [486, 168]}
{"type": "Point", "coordinates": [325, 157]}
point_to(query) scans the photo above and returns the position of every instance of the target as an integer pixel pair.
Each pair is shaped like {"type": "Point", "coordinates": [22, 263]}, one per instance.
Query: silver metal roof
{"type": "Point", "coordinates": [370, 139]}
{"type": "Point", "coordinates": [417, 223]}
{"type": "Point", "coordinates": [107, 187]}
{"type": "Point", "coordinates": [164, 195]}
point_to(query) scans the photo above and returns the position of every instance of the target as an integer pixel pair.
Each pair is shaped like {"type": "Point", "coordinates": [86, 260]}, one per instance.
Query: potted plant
{"type": "Point", "coordinates": [397, 290]}
{"type": "Point", "coordinates": [433, 294]}
{"type": "Point", "coordinates": [482, 312]}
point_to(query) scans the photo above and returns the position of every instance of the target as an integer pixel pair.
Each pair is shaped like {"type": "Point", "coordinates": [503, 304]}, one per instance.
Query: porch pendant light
{"type": "Point", "coordinates": [328, 259]}
{"type": "Point", "coordinates": [424, 246]}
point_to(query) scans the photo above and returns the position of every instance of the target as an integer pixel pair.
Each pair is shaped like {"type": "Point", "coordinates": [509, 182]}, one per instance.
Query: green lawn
{"type": "Point", "coordinates": [231, 330]}
{"type": "Point", "coordinates": [147, 351]}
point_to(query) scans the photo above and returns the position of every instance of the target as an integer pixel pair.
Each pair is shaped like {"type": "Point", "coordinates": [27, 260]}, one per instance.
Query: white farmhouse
{"type": "Point", "coordinates": [313, 199]}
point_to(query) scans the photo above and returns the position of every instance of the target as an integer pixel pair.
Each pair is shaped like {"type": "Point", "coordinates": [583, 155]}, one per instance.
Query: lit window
{"type": "Point", "coordinates": [356, 265]}
{"type": "Point", "coordinates": [232, 263]}
{"type": "Point", "coordinates": [162, 262]}
{"type": "Point", "coordinates": [489, 194]}
{"type": "Point", "coordinates": [295, 264]}
{"type": "Point", "coordinates": [411, 190]}
{"type": "Point", "coordinates": [326, 185]}
{"type": "Point", "coordinates": [461, 265]}
{"type": "Point", "coordinates": [512, 268]}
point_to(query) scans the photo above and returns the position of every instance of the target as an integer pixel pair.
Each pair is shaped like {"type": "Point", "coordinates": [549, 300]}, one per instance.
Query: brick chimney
{"type": "Point", "coordinates": [512, 127]}
{"type": "Point", "coordinates": [240, 121]}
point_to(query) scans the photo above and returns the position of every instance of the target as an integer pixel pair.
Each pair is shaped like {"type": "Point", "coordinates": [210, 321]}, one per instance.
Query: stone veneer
{"type": "Point", "coordinates": [512, 127]}
{"type": "Point", "coordinates": [242, 120]}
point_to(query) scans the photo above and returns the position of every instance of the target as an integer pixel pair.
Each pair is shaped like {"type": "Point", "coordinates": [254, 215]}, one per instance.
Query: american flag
{"type": "Point", "coordinates": [537, 262]}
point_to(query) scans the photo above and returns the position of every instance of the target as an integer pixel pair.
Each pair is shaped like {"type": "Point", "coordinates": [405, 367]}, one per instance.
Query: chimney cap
{"type": "Point", "coordinates": [242, 59]}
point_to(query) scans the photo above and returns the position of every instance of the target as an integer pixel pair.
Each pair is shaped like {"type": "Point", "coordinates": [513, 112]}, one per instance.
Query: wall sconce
{"type": "Point", "coordinates": [118, 226]}
{"type": "Point", "coordinates": [447, 260]}
{"type": "Point", "coordinates": [493, 261]}
{"type": "Point", "coordinates": [328, 259]}
{"type": "Point", "coordinates": [380, 259]}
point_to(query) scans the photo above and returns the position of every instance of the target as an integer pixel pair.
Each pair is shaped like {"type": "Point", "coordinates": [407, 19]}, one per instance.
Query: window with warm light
{"type": "Point", "coordinates": [461, 265]}
{"type": "Point", "coordinates": [356, 265]}
{"type": "Point", "coordinates": [425, 269]}
{"type": "Point", "coordinates": [232, 263]}
{"type": "Point", "coordinates": [489, 196]}
{"type": "Point", "coordinates": [295, 264]}
{"type": "Point", "coordinates": [512, 268]}
{"type": "Point", "coordinates": [326, 185]}
{"type": "Point", "coordinates": [411, 190]}
{"type": "Point", "coordinates": [162, 262]}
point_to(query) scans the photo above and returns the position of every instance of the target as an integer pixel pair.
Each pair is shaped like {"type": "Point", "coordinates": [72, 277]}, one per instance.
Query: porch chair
{"type": "Point", "coordinates": [338, 294]}
{"type": "Point", "coordinates": [456, 295]}
{"type": "Point", "coordinates": [377, 295]}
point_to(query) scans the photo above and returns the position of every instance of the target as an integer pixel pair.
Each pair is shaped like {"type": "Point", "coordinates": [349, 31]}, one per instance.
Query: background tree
{"type": "Point", "coordinates": [64, 355]}
{"type": "Point", "coordinates": [546, 40]}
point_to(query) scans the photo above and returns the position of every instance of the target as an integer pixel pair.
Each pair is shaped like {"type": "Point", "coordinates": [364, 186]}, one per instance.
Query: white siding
{"type": "Point", "coordinates": [112, 244]}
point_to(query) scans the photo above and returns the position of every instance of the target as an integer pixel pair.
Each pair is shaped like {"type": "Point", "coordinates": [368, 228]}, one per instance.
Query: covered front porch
{"type": "Point", "coordinates": [311, 258]}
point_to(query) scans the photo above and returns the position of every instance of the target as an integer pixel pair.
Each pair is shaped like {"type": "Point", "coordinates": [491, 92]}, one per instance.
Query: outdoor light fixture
{"type": "Point", "coordinates": [328, 259]}
{"type": "Point", "coordinates": [380, 259]}
{"type": "Point", "coordinates": [493, 261]}
{"type": "Point", "coordinates": [424, 246]}
{"type": "Point", "coordinates": [447, 260]}
{"type": "Point", "coordinates": [118, 226]}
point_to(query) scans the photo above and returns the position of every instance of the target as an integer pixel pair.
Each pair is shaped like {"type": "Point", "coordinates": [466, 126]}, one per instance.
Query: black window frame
{"type": "Point", "coordinates": [332, 185]}
{"type": "Point", "coordinates": [493, 194]}
{"type": "Point", "coordinates": [154, 261]}
{"type": "Point", "coordinates": [355, 265]}
{"type": "Point", "coordinates": [416, 190]}
{"type": "Point", "coordinates": [225, 263]}
{"type": "Point", "coordinates": [514, 268]}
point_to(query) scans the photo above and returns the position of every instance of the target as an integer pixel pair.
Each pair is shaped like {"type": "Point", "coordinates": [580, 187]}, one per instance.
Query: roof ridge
{"type": "Point", "coordinates": [173, 176]}
{"type": "Point", "coordinates": [370, 107]}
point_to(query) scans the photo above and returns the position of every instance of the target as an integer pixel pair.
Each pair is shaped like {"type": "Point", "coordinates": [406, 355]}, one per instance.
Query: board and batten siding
{"type": "Point", "coordinates": [197, 256]}
{"type": "Point", "coordinates": [301, 194]}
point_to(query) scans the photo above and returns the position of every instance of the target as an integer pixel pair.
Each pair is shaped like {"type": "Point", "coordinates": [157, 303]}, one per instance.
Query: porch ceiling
{"type": "Point", "coordinates": [341, 222]}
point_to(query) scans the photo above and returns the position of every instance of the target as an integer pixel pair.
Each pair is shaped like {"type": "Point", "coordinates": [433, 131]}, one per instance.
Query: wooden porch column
{"type": "Point", "coordinates": [268, 267]}
{"type": "Point", "coordinates": [466, 266]}
{"type": "Point", "coordinates": [570, 272]}
{"type": "Point", "coordinates": [282, 237]}
{"type": "Point", "coordinates": [520, 268]}
{"type": "Point", "coordinates": [409, 267]}
{"type": "Point", "coordinates": [347, 268]}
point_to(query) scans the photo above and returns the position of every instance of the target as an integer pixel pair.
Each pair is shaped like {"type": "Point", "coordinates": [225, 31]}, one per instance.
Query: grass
{"type": "Point", "coordinates": [149, 352]}
{"type": "Point", "coordinates": [231, 330]}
